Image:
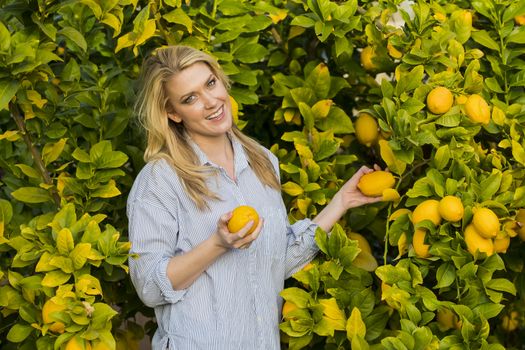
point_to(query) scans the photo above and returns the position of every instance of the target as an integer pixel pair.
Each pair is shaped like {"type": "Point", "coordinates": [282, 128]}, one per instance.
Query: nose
{"type": "Point", "coordinates": [209, 100]}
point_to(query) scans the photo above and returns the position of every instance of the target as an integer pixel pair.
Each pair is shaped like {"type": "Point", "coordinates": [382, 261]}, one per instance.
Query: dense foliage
{"type": "Point", "coordinates": [328, 86]}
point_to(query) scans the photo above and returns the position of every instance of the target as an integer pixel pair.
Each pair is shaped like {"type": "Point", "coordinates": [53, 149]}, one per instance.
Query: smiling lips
{"type": "Point", "coordinates": [217, 115]}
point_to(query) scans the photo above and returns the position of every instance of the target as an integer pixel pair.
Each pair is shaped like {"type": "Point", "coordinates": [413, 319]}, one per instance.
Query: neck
{"type": "Point", "coordinates": [216, 149]}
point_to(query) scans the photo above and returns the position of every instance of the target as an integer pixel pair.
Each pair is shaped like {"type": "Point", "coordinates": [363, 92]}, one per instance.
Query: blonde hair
{"type": "Point", "coordinates": [167, 140]}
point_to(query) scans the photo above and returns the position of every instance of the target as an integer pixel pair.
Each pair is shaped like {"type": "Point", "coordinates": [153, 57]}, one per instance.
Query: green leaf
{"type": "Point", "coordinates": [64, 241]}
{"type": "Point", "coordinates": [113, 159]}
{"type": "Point", "coordinates": [297, 296]}
{"type": "Point", "coordinates": [319, 81]}
{"type": "Point", "coordinates": [517, 36]}
{"type": "Point", "coordinates": [52, 151]}
{"type": "Point", "coordinates": [6, 212]}
{"type": "Point", "coordinates": [489, 310]}
{"type": "Point", "coordinates": [55, 278]}
{"type": "Point", "coordinates": [355, 325]}
{"type": "Point", "coordinates": [518, 152]}
{"type": "Point", "coordinates": [5, 38]}
{"type": "Point", "coordinates": [112, 21]}
{"type": "Point", "coordinates": [8, 89]}
{"type": "Point", "coordinates": [442, 157]}
{"type": "Point", "coordinates": [102, 315]}
{"type": "Point", "coordinates": [81, 155]}
{"type": "Point", "coordinates": [108, 190]}
{"type": "Point", "coordinates": [501, 284]}
{"type": "Point", "coordinates": [410, 81]}
{"type": "Point", "coordinates": [307, 114]}
{"type": "Point", "coordinates": [75, 36]}
{"type": "Point", "coordinates": [292, 189]}
{"type": "Point", "coordinates": [491, 185]}
{"type": "Point", "coordinates": [31, 195]}
{"type": "Point", "coordinates": [251, 53]}
{"type": "Point", "coordinates": [80, 254]}
{"type": "Point", "coordinates": [336, 121]}
{"type": "Point", "coordinates": [19, 332]}
{"type": "Point", "coordinates": [180, 17]}
{"type": "Point", "coordinates": [445, 276]}
{"type": "Point", "coordinates": [303, 21]}
{"type": "Point", "coordinates": [482, 37]}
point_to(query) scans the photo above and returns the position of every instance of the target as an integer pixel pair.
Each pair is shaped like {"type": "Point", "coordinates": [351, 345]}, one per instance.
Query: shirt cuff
{"type": "Point", "coordinates": [304, 230]}
{"type": "Point", "coordinates": [166, 289]}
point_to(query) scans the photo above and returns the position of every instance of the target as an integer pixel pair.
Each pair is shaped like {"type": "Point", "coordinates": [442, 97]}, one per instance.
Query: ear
{"type": "Point", "coordinates": [175, 117]}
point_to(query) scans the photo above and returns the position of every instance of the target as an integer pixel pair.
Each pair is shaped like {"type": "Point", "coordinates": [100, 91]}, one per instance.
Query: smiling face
{"type": "Point", "coordinates": [199, 100]}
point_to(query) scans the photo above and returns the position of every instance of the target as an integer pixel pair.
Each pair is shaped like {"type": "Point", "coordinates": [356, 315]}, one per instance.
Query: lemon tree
{"type": "Point", "coordinates": [431, 90]}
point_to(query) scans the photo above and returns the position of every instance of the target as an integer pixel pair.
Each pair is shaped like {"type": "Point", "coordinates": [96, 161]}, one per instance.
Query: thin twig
{"type": "Point", "coordinates": [19, 119]}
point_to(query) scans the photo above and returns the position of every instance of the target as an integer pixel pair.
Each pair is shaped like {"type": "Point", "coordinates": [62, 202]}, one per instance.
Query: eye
{"type": "Point", "coordinates": [212, 82]}
{"type": "Point", "coordinates": [189, 99]}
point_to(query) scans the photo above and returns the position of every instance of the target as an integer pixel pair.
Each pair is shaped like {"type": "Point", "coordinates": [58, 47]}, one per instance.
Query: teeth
{"type": "Point", "coordinates": [214, 115]}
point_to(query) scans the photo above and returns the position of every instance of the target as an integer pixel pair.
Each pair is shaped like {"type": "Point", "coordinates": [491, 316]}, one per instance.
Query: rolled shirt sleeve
{"type": "Point", "coordinates": [153, 232]}
{"type": "Point", "coordinates": [302, 247]}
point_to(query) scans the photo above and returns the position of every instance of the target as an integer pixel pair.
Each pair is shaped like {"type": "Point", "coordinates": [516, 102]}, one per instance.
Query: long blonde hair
{"type": "Point", "coordinates": [167, 140]}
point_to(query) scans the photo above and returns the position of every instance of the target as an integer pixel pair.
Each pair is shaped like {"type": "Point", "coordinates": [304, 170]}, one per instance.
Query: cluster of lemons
{"type": "Point", "coordinates": [481, 235]}
{"type": "Point", "coordinates": [50, 312]}
{"type": "Point", "coordinates": [441, 99]}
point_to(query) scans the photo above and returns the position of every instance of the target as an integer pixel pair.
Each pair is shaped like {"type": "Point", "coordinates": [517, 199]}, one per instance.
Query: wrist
{"type": "Point", "coordinates": [218, 243]}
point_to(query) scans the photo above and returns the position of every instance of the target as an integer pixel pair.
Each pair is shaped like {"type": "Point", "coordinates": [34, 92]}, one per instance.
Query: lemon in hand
{"type": "Point", "coordinates": [241, 216]}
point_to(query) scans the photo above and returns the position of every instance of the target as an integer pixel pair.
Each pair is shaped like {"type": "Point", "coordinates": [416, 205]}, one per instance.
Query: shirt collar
{"type": "Point", "coordinates": [239, 155]}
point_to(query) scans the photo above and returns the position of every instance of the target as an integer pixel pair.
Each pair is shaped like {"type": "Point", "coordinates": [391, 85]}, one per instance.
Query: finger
{"type": "Point", "coordinates": [248, 239]}
{"type": "Point", "coordinates": [258, 229]}
{"type": "Point", "coordinates": [246, 228]}
{"type": "Point", "coordinates": [224, 218]}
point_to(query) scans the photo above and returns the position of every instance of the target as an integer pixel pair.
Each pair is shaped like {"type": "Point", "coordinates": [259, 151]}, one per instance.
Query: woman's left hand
{"type": "Point", "coordinates": [351, 196]}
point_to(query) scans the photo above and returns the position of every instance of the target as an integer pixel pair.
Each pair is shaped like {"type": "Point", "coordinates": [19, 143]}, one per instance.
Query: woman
{"type": "Point", "coordinates": [211, 289]}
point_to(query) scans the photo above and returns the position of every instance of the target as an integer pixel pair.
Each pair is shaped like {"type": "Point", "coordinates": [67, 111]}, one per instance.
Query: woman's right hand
{"type": "Point", "coordinates": [238, 240]}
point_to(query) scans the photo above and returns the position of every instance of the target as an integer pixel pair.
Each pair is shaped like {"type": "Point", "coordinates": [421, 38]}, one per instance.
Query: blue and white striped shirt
{"type": "Point", "coordinates": [235, 303]}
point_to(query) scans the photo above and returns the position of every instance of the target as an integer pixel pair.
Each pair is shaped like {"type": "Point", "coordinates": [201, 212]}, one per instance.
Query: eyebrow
{"type": "Point", "coordinates": [183, 97]}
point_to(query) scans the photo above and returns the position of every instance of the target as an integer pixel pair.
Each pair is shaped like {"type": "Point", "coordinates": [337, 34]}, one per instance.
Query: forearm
{"type": "Point", "coordinates": [327, 218]}
{"type": "Point", "coordinates": [184, 269]}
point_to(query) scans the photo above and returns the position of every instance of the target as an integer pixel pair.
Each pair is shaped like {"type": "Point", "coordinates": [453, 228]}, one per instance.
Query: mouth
{"type": "Point", "coordinates": [217, 115]}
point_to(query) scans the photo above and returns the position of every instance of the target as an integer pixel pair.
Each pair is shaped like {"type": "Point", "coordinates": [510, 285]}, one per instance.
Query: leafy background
{"type": "Point", "coordinates": [70, 149]}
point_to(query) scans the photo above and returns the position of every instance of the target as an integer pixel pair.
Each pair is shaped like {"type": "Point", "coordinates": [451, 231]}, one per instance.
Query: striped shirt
{"type": "Point", "coordinates": [235, 303]}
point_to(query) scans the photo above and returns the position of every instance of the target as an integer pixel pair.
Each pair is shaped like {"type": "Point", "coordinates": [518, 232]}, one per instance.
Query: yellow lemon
{"type": "Point", "coordinates": [398, 213]}
{"type": "Point", "coordinates": [520, 20]}
{"type": "Point", "coordinates": [427, 210]}
{"type": "Point", "coordinates": [373, 184]}
{"type": "Point", "coordinates": [48, 308]}
{"type": "Point", "coordinates": [440, 16]}
{"type": "Point", "coordinates": [486, 222]}
{"type": "Point", "coordinates": [308, 267]}
{"type": "Point", "coordinates": [366, 129]}
{"type": "Point", "coordinates": [461, 99]}
{"type": "Point", "coordinates": [288, 307]}
{"type": "Point", "coordinates": [477, 109]}
{"type": "Point", "coordinates": [447, 319]}
{"type": "Point", "coordinates": [365, 261]}
{"type": "Point", "coordinates": [235, 109]}
{"type": "Point", "coordinates": [476, 243]}
{"type": "Point", "coordinates": [77, 343]}
{"type": "Point", "coordinates": [510, 321]}
{"type": "Point", "coordinates": [440, 100]}
{"type": "Point", "coordinates": [402, 246]}
{"type": "Point", "coordinates": [392, 51]}
{"type": "Point", "coordinates": [501, 242]}
{"type": "Point", "coordinates": [241, 216]}
{"type": "Point", "coordinates": [451, 209]}
{"type": "Point", "coordinates": [362, 243]}
{"type": "Point", "coordinates": [100, 346]}
{"type": "Point", "coordinates": [367, 58]}
{"type": "Point", "coordinates": [418, 242]}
